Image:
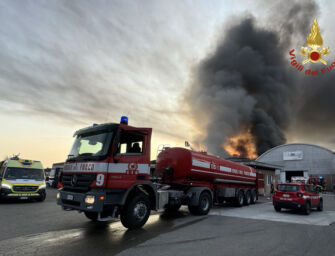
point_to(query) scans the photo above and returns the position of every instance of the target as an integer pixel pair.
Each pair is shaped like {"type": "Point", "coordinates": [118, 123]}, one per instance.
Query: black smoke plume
{"type": "Point", "coordinates": [245, 85]}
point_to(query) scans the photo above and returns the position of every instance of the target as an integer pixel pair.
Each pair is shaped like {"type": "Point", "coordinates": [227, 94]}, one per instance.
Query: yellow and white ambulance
{"type": "Point", "coordinates": [22, 179]}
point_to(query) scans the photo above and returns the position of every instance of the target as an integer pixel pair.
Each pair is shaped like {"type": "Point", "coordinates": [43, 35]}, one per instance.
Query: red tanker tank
{"type": "Point", "coordinates": [179, 165]}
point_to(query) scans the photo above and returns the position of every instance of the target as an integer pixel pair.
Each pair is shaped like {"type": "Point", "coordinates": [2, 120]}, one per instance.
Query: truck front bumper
{"type": "Point", "coordinates": [8, 194]}
{"type": "Point", "coordinates": [76, 201]}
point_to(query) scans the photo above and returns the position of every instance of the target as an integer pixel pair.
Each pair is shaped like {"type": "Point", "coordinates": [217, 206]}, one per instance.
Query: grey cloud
{"type": "Point", "coordinates": [85, 61]}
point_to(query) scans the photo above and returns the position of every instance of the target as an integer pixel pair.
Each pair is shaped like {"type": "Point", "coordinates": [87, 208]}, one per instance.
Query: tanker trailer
{"type": "Point", "coordinates": [113, 180]}
{"type": "Point", "coordinates": [201, 177]}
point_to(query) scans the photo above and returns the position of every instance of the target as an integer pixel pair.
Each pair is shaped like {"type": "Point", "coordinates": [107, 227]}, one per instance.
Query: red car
{"type": "Point", "coordinates": [297, 196]}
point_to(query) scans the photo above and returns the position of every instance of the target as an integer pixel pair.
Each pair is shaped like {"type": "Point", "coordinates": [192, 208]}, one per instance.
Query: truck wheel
{"type": "Point", "coordinates": [204, 205]}
{"type": "Point", "coordinates": [320, 206]}
{"type": "Point", "coordinates": [136, 212]}
{"type": "Point", "coordinates": [307, 208]}
{"type": "Point", "coordinates": [253, 196]}
{"type": "Point", "coordinates": [240, 199]}
{"type": "Point", "coordinates": [247, 198]}
{"type": "Point", "coordinates": [91, 215]}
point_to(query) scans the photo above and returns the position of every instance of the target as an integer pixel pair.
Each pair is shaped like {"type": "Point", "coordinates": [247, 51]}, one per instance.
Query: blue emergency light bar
{"type": "Point", "coordinates": [124, 120]}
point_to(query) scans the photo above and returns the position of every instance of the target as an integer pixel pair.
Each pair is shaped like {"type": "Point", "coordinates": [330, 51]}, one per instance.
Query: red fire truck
{"type": "Point", "coordinates": [107, 175]}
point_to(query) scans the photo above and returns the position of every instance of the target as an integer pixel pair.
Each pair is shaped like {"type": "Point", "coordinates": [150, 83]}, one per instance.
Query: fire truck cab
{"type": "Point", "coordinates": [107, 174]}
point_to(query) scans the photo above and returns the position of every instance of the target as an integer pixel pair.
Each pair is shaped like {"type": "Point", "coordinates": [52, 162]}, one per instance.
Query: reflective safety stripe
{"type": "Point", "coordinates": [131, 167]}
{"type": "Point", "coordinates": [200, 163]}
{"type": "Point", "coordinates": [22, 194]}
{"type": "Point", "coordinates": [225, 169]}
{"type": "Point", "coordinates": [22, 163]}
{"type": "Point", "coordinates": [85, 167]}
{"type": "Point", "coordinates": [222, 174]}
{"type": "Point", "coordinates": [23, 182]}
{"type": "Point", "coordinates": [207, 165]}
{"type": "Point", "coordinates": [92, 167]}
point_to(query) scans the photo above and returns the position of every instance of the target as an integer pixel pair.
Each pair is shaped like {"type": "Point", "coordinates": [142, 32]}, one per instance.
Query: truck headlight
{"type": "Point", "coordinates": [4, 185]}
{"type": "Point", "coordinates": [42, 186]}
{"type": "Point", "coordinates": [89, 199]}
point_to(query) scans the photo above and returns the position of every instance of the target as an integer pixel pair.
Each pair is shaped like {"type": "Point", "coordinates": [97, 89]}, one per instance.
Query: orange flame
{"type": "Point", "coordinates": [241, 145]}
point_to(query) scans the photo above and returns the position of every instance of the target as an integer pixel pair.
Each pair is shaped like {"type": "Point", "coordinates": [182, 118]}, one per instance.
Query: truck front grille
{"type": "Point", "coordinates": [69, 202]}
{"type": "Point", "coordinates": [25, 188]}
{"type": "Point", "coordinates": [78, 181]}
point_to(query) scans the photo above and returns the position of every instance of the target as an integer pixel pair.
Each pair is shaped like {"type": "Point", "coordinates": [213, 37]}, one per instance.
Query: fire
{"type": "Point", "coordinates": [241, 145]}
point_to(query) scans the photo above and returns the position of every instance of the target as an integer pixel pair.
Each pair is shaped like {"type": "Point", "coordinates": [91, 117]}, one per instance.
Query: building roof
{"type": "Point", "coordinates": [256, 164]}
{"type": "Point", "coordinates": [291, 144]}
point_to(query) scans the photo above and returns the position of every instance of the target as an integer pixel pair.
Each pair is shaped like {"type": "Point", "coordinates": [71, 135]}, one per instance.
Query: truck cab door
{"type": "Point", "coordinates": [131, 157]}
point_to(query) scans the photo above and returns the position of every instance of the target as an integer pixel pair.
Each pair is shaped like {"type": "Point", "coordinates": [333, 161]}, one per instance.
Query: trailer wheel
{"type": "Point", "coordinates": [240, 198]}
{"type": "Point", "coordinates": [253, 196]}
{"type": "Point", "coordinates": [136, 212]}
{"type": "Point", "coordinates": [204, 205]}
{"type": "Point", "coordinates": [247, 198]}
{"type": "Point", "coordinates": [91, 215]}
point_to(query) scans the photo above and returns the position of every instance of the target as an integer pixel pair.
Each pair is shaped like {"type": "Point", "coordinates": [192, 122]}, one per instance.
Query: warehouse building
{"type": "Point", "coordinates": [301, 159]}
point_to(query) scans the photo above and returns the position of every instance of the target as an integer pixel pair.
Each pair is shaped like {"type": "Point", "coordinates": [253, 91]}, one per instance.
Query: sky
{"type": "Point", "coordinates": [65, 65]}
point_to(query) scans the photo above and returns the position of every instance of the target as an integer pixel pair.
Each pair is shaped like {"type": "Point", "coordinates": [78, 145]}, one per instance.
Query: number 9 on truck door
{"type": "Point", "coordinates": [100, 180]}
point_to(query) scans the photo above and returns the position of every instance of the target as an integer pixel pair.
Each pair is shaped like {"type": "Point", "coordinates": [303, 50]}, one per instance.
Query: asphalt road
{"type": "Point", "coordinates": [44, 229]}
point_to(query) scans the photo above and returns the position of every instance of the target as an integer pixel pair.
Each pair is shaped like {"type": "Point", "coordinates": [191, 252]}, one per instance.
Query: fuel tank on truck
{"type": "Point", "coordinates": [178, 165]}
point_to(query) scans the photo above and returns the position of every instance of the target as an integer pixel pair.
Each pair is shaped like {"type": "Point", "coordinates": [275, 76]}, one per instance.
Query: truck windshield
{"type": "Point", "coordinates": [288, 188]}
{"type": "Point", "coordinates": [90, 146]}
{"type": "Point", "coordinates": [13, 173]}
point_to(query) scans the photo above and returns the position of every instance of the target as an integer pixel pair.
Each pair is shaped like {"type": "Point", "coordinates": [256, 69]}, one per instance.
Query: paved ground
{"type": "Point", "coordinates": [265, 212]}
{"type": "Point", "coordinates": [44, 229]}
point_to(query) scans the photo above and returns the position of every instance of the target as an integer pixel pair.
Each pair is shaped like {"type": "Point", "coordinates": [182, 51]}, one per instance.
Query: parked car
{"type": "Point", "coordinates": [55, 175]}
{"type": "Point", "coordinates": [297, 196]}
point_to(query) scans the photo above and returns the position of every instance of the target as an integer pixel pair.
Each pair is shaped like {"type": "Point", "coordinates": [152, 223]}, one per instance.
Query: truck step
{"type": "Point", "coordinates": [105, 218]}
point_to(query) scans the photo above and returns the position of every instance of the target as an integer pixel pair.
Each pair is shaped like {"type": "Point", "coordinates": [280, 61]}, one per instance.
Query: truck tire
{"type": "Point", "coordinates": [320, 206]}
{"type": "Point", "coordinates": [247, 198]}
{"type": "Point", "coordinates": [136, 212]}
{"type": "Point", "coordinates": [239, 199]}
{"type": "Point", "coordinates": [253, 196]}
{"type": "Point", "coordinates": [204, 205]}
{"type": "Point", "coordinates": [91, 215]}
{"type": "Point", "coordinates": [307, 208]}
